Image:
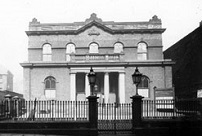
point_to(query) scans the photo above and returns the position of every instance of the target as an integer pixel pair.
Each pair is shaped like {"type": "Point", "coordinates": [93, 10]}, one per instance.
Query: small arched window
{"type": "Point", "coordinates": [50, 87]}
{"type": "Point", "coordinates": [47, 52]}
{"type": "Point", "coordinates": [142, 51]}
{"type": "Point", "coordinates": [50, 83]}
{"type": "Point", "coordinates": [93, 48]}
{"type": "Point", "coordinates": [118, 47]}
{"type": "Point", "coordinates": [70, 48]}
{"type": "Point", "coordinates": [143, 87]}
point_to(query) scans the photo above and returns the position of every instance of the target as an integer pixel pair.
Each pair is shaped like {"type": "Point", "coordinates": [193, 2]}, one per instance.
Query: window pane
{"type": "Point", "coordinates": [142, 47]}
{"type": "Point", "coordinates": [52, 84]}
{"type": "Point", "coordinates": [144, 82]}
{"type": "Point", "coordinates": [118, 48]}
{"type": "Point", "coordinates": [47, 52]}
{"type": "Point", "coordinates": [70, 48]}
{"type": "Point", "coordinates": [93, 48]}
{"type": "Point", "coordinates": [46, 49]}
{"type": "Point", "coordinates": [47, 84]}
{"type": "Point", "coordinates": [142, 51]}
{"type": "Point", "coordinates": [68, 58]}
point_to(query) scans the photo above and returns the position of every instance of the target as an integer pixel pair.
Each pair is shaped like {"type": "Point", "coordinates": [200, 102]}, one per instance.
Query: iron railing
{"type": "Point", "coordinates": [78, 110]}
{"type": "Point", "coordinates": [188, 107]}
{"type": "Point", "coordinates": [158, 108]}
{"type": "Point", "coordinates": [161, 109]}
{"type": "Point", "coordinates": [44, 110]}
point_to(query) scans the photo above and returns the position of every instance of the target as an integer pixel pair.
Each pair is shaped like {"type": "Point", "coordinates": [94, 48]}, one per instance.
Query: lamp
{"type": "Point", "coordinates": [136, 76]}
{"type": "Point", "coordinates": [92, 79]}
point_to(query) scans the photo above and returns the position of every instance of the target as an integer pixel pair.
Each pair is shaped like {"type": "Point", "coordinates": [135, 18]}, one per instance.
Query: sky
{"type": "Point", "coordinates": [179, 17]}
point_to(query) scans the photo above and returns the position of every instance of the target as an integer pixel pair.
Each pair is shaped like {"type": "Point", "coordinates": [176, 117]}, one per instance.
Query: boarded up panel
{"type": "Point", "coordinates": [161, 93]}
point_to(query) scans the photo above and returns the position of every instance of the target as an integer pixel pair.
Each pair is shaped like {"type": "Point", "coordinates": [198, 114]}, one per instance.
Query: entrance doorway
{"type": "Point", "coordinates": [113, 87]}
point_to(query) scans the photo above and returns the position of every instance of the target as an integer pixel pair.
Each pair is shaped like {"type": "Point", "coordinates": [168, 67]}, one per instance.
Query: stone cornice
{"type": "Point", "coordinates": [75, 32]}
{"type": "Point", "coordinates": [147, 63]}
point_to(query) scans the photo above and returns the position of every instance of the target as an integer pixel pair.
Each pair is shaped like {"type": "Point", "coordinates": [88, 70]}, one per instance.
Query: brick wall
{"type": "Point", "coordinates": [157, 78]}
{"type": "Point", "coordinates": [38, 75]}
{"type": "Point", "coordinates": [105, 40]}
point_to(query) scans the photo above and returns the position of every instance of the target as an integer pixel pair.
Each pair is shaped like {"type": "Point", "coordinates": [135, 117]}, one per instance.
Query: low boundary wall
{"type": "Point", "coordinates": [59, 128]}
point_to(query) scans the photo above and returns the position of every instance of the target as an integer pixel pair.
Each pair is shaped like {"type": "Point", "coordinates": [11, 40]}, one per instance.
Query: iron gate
{"type": "Point", "coordinates": [114, 118]}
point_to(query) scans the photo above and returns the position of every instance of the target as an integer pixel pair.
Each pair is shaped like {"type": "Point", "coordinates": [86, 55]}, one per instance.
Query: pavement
{"type": "Point", "coordinates": [26, 135]}
{"type": "Point", "coordinates": [61, 135]}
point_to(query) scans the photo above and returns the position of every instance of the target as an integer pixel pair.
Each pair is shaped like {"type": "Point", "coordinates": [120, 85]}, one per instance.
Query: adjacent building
{"type": "Point", "coordinates": [60, 56]}
{"type": "Point", "coordinates": [187, 72]}
{"type": "Point", "coordinates": [10, 95]}
{"type": "Point", "coordinates": [6, 79]}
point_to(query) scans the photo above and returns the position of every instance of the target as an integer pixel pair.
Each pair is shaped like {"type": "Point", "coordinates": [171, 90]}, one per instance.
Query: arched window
{"type": "Point", "coordinates": [47, 52]}
{"type": "Point", "coordinates": [142, 51]}
{"type": "Point", "coordinates": [118, 47]}
{"type": "Point", "coordinates": [50, 87]}
{"type": "Point", "coordinates": [70, 48]}
{"type": "Point", "coordinates": [143, 87]}
{"type": "Point", "coordinates": [93, 48]}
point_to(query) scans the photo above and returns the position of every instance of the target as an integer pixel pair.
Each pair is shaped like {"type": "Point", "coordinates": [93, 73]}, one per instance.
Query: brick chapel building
{"type": "Point", "coordinates": [60, 56]}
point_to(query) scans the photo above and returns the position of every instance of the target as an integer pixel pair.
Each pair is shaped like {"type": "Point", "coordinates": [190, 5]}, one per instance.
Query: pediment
{"type": "Point", "coordinates": [93, 31]}
{"type": "Point", "coordinates": [92, 26]}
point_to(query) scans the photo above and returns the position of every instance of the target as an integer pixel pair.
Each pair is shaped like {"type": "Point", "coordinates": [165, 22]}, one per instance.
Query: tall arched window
{"type": "Point", "coordinates": [70, 48]}
{"type": "Point", "coordinates": [142, 51]}
{"type": "Point", "coordinates": [93, 48]}
{"type": "Point", "coordinates": [50, 87]}
{"type": "Point", "coordinates": [143, 87]}
{"type": "Point", "coordinates": [47, 52]}
{"type": "Point", "coordinates": [118, 47]}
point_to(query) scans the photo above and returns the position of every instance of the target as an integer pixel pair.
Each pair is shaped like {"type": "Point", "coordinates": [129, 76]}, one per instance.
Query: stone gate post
{"type": "Point", "coordinates": [93, 115]}
{"type": "Point", "coordinates": [8, 105]}
{"type": "Point", "coordinates": [136, 112]}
